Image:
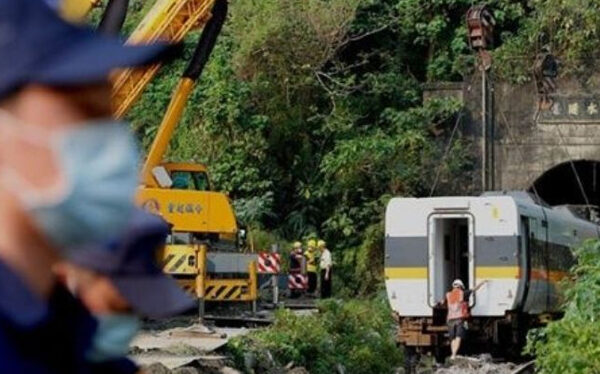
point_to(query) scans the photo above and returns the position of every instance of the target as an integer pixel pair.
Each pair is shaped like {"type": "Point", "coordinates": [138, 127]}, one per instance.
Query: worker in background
{"type": "Point", "coordinates": [120, 284]}
{"type": "Point", "coordinates": [296, 264]}
{"type": "Point", "coordinates": [326, 265]}
{"type": "Point", "coordinates": [457, 301]}
{"type": "Point", "coordinates": [311, 266]}
{"type": "Point", "coordinates": [68, 174]}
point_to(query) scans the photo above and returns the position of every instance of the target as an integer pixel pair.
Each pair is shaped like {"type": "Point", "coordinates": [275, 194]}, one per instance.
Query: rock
{"type": "Point", "coordinates": [157, 368]}
{"type": "Point", "coordinates": [275, 371]}
{"type": "Point", "coordinates": [298, 370]}
{"type": "Point", "coordinates": [185, 370]}
{"type": "Point", "coordinates": [249, 361]}
{"type": "Point", "coordinates": [228, 370]}
{"type": "Point", "coordinates": [482, 364]}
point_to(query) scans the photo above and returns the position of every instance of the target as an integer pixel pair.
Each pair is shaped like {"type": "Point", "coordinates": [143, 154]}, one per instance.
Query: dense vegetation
{"type": "Point", "coordinates": [572, 345]}
{"type": "Point", "coordinates": [310, 113]}
{"type": "Point", "coordinates": [353, 337]}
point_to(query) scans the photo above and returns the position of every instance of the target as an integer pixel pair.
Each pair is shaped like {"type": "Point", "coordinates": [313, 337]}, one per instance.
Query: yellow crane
{"type": "Point", "coordinates": [181, 193]}
{"type": "Point", "coordinates": [183, 196]}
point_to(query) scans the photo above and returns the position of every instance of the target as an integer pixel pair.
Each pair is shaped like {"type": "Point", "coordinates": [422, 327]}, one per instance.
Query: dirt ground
{"type": "Point", "coordinates": [477, 365]}
{"type": "Point", "coordinates": [183, 346]}
{"type": "Point", "coordinates": [482, 364]}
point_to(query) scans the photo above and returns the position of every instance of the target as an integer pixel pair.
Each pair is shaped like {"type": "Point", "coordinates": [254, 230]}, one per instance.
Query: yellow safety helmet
{"type": "Point", "coordinates": [297, 245]}
{"type": "Point", "coordinates": [321, 244]}
{"type": "Point", "coordinates": [76, 10]}
{"type": "Point", "coordinates": [312, 243]}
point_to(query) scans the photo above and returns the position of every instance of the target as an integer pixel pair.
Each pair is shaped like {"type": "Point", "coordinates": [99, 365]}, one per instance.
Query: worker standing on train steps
{"type": "Point", "coordinates": [311, 266]}
{"type": "Point", "coordinates": [457, 301]}
{"type": "Point", "coordinates": [326, 265]}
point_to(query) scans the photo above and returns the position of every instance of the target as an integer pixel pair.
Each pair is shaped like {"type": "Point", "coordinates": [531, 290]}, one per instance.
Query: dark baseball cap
{"type": "Point", "coordinates": [130, 263]}
{"type": "Point", "coordinates": [37, 46]}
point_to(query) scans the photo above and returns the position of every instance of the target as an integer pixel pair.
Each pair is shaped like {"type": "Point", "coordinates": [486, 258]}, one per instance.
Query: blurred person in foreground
{"type": "Point", "coordinates": [67, 177]}
{"type": "Point", "coordinates": [120, 284]}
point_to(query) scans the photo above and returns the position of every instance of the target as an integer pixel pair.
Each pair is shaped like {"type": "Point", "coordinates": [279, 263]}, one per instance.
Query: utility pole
{"type": "Point", "coordinates": [487, 121]}
{"type": "Point", "coordinates": [480, 26]}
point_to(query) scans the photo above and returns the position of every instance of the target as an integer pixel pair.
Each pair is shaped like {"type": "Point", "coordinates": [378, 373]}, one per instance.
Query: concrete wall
{"type": "Point", "coordinates": [529, 142]}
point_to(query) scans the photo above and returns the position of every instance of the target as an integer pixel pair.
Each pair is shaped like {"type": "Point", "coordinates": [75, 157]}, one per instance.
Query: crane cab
{"type": "Point", "coordinates": [185, 199]}
{"type": "Point", "coordinates": [187, 176]}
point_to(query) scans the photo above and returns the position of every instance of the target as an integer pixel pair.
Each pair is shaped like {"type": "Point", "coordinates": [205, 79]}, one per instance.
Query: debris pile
{"type": "Point", "coordinates": [182, 346]}
{"type": "Point", "coordinates": [195, 367]}
{"type": "Point", "coordinates": [482, 364]}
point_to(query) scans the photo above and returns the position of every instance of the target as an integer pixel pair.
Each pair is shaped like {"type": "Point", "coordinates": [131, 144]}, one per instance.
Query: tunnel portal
{"type": "Point", "coordinates": [559, 185]}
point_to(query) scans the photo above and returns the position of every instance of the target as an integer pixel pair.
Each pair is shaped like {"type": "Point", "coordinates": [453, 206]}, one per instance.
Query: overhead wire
{"type": "Point", "coordinates": [449, 145]}
{"type": "Point", "coordinates": [446, 152]}
{"type": "Point", "coordinates": [509, 131]}
{"type": "Point", "coordinates": [572, 163]}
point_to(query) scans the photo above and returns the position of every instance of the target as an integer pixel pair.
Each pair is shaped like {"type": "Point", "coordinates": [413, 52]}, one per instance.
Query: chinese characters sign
{"type": "Point", "coordinates": [572, 109]}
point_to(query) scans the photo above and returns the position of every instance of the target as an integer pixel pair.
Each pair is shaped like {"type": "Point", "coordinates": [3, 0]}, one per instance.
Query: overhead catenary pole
{"type": "Point", "coordinates": [487, 120]}
{"type": "Point", "coordinates": [484, 131]}
{"type": "Point", "coordinates": [480, 26]}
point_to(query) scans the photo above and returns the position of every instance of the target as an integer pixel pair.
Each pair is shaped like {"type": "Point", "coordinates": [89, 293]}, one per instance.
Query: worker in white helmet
{"type": "Point", "coordinates": [457, 301]}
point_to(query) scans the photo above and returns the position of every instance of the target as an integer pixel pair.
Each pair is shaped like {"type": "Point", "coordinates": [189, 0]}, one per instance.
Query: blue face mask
{"type": "Point", "coordinates": [112, 337]}
{"type": "Point", "coordinates": [99, 164]}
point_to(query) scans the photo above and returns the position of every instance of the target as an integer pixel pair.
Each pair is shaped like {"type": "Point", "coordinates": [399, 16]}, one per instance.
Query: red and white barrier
{"type": "Point", "coordinates": [297, 281]}
{"type": "Point", "coordinates": [269, 263]}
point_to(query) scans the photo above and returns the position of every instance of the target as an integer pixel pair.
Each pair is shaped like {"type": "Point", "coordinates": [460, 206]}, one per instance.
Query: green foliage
{"type": "Point", "coordinates": [572, 344]}
{"type": "Point", "coordinates": [309, 114]}
{"type": "Point", "coordinates": [359, 271]}
{"type": "Point", "coordinates": [572, 28]}
{"type": "Point", "coordinates": [355, 334]}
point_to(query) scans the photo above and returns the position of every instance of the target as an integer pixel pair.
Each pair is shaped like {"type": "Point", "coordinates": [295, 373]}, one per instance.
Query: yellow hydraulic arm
{"type": "Point", "coordinates": [168, 20]}
{"type": "Point", "coordinates": [183, 91]}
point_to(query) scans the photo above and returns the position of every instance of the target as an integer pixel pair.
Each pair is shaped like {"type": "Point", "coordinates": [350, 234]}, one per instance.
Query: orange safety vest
{"type": "Point", "coordinates": [458, 308]}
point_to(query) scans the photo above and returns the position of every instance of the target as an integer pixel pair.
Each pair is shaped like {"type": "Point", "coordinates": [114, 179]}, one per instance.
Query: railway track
{"type": "Point", "coordinates": [482, 364]}
{"type": "Point", "coordinates": [526, 368]}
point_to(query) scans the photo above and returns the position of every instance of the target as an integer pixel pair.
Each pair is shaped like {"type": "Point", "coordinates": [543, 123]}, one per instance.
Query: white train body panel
{"type": "Point", "coordinates": [521, 248]}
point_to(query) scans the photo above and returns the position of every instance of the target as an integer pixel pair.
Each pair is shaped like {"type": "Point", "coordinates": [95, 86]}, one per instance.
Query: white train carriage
{"type": "Point", "coordinates": [520, 246]}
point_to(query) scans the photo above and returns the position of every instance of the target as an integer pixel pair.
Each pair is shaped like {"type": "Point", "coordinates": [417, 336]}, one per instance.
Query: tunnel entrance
{"type": "Point", "coordinates": [559, 185]}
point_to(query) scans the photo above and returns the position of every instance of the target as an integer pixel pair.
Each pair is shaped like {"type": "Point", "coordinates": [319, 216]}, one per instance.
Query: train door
{"type": "Point", "coordinates": [451, 253]}
{"type": "Point", "coordinates": [524, 260]}
{"type": "Point", "coordinates": [537, 295]}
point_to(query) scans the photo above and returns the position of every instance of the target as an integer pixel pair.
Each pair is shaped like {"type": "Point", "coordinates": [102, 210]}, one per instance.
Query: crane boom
{"type": "Point", "coordinates": [175, 110]}
{"type": "Point", "coordinates": [168, 20]}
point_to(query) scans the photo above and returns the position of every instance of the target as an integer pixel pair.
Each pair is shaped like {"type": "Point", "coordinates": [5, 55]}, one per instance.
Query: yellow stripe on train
{"type": "Point", "coordinates": [485, 272]}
